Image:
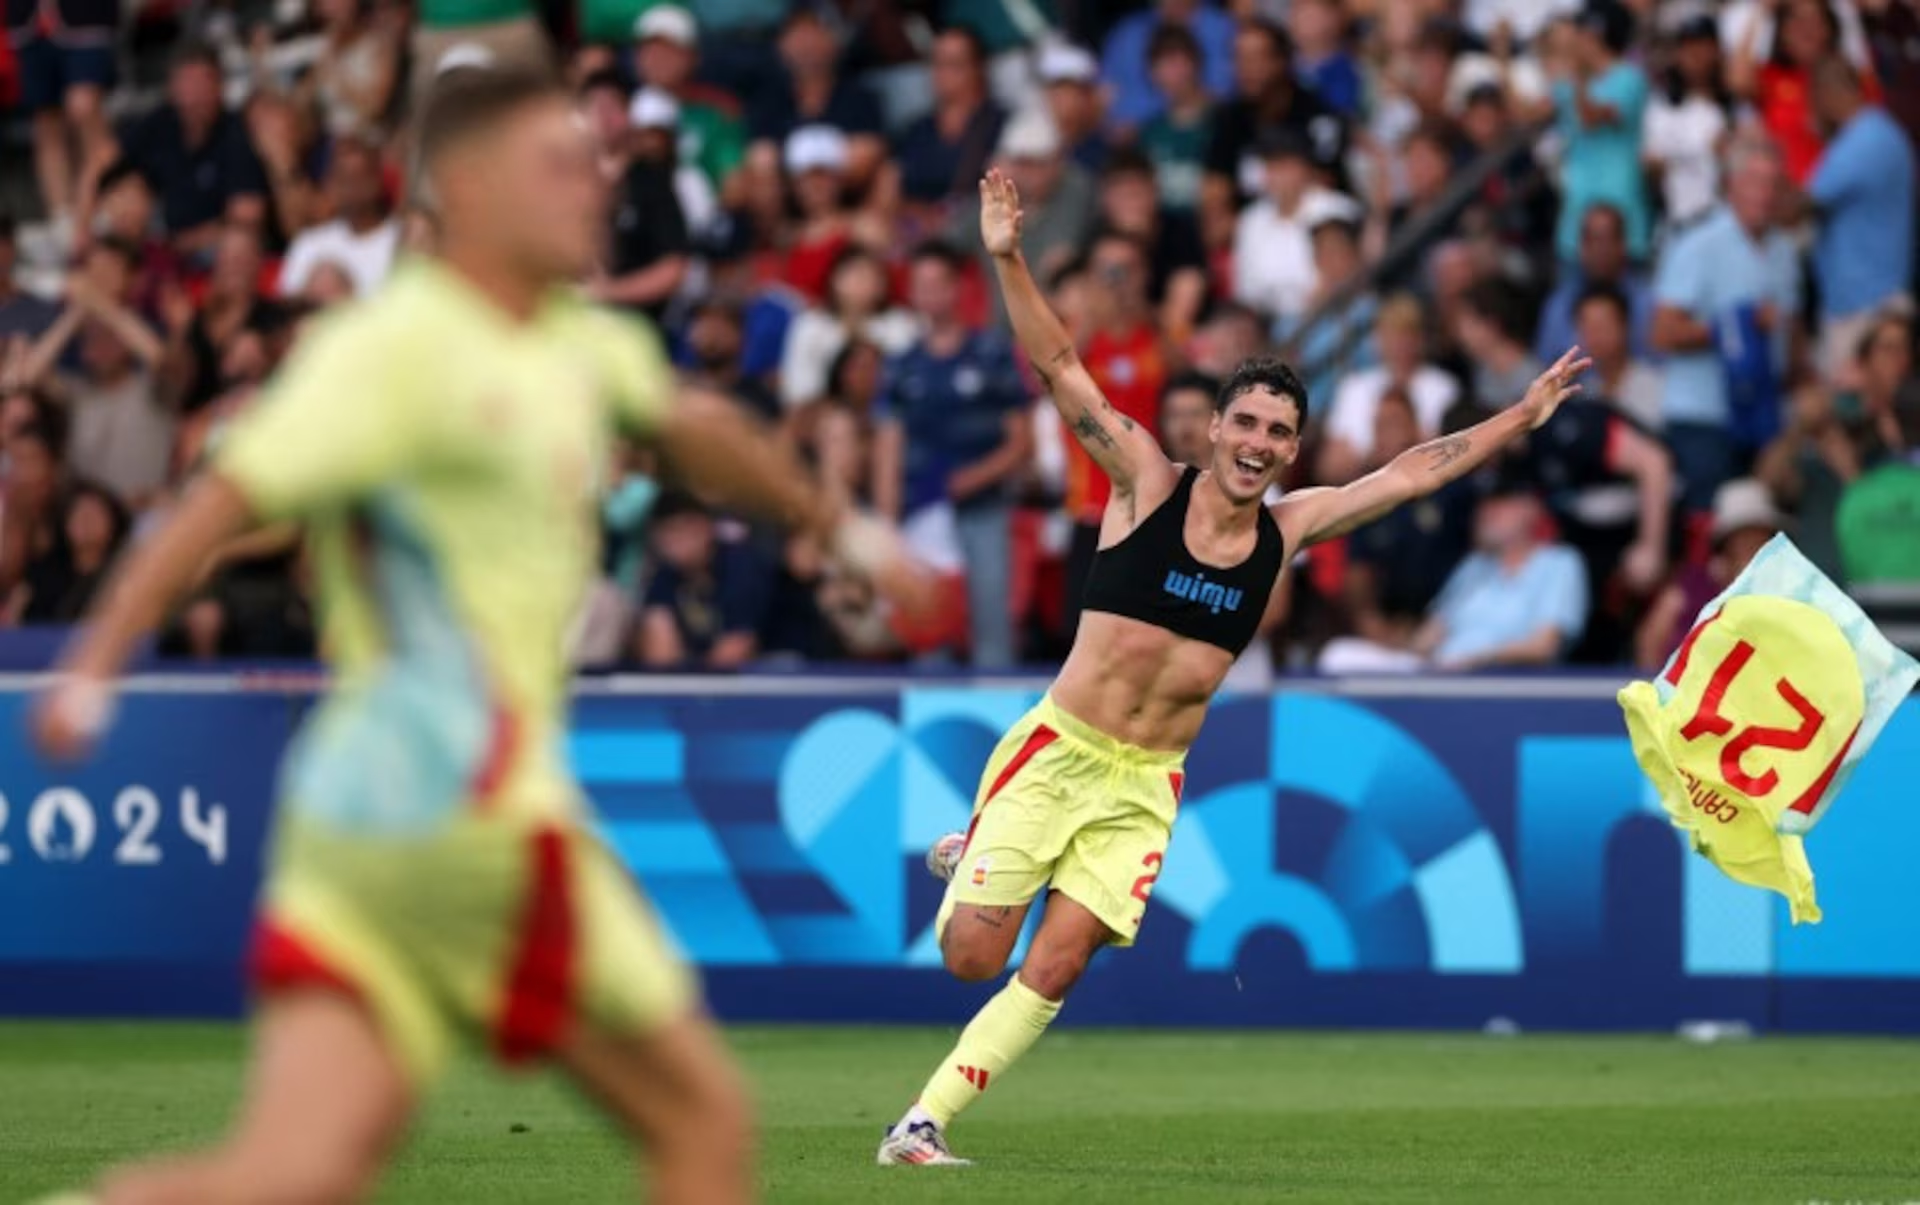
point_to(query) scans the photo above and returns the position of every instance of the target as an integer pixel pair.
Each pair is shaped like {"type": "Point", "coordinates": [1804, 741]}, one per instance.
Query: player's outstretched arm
{"type": "Point", "coordinates": [1312, 515]}
{"type": "Point", "coordinates": [1115, 441]}
{"type": "Point", "coordinates": [140, 594]}
{"type": "Point", "coordinates": [722, 453]}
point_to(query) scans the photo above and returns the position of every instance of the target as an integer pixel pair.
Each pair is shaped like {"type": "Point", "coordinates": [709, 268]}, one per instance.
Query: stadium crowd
{"type": "Point", "coordinates": [1418, 202]}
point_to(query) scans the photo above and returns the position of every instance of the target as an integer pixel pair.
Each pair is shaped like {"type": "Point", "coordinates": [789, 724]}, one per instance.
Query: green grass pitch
{"type": "Point", "coordinates": [1094, 1116]}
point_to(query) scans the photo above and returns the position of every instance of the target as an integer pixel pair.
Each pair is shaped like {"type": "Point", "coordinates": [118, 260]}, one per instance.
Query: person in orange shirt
{"type": "Point", "coordinates": [1128, 361]}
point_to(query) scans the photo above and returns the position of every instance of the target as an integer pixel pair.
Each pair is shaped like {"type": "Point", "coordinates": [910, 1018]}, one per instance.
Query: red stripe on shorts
{"type": "Point", "coordinates": [503, 742]}
{"type": "Point", "coordinates": [280, 960]}
{"type": "Point", "coordinates": [539, 991]}
{"type": "Point", "coordinates": [1042, 737]}
{"type": "Point", "coordinates": [1179, 781]}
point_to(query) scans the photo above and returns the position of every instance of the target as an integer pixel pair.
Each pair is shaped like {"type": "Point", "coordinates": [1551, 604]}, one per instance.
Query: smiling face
{"type": "Point", "coordinates": [1254, 438]}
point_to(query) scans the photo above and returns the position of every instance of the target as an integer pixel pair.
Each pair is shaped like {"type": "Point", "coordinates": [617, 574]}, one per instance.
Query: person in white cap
{"type": "Point", "coordinates": [1071, 78]}
{"type": "Point", "coordinates": [712, 136]}
{"type": "Point", "coordinates": [1744, 519]}
{"type": "Point", "coordinates": [649, 251]}
{"type": "Point", "coordinates": [816, 159]}
{"type": "Point", "coordinates": [1062, 201]}
{"type": "Point", "coordinates": [815, 91]}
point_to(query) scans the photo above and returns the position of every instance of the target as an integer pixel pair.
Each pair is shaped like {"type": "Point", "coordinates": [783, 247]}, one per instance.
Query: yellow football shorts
{"type": "Point", "coordinates": [514, 931]}
{"type": "Point", "coordinates": [1065, 803]}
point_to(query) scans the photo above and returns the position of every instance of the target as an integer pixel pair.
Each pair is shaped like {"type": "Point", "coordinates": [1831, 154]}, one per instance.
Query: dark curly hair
{"type": "Point", "coordinates": [1263, 372]}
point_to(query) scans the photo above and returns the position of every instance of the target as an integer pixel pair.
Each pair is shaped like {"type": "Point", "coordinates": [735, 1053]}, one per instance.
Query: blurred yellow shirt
{"type": "Point", "coordinates": [445, 461]}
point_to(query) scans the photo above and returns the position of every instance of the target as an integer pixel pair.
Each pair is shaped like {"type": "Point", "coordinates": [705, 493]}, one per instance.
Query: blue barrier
{"type": "Point", "coordinates": [1423, 853]}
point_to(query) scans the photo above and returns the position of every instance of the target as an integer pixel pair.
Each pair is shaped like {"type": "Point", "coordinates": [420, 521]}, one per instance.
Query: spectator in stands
{"type": "Point", "coordinates": [20, 313]}
{"type": "Point", "coordinates": [60, 584]}
{"type": "Point", "coordinates": [953, 437]}
{"type": "Point", "coordinates": [197, 156]}
{"type": "Point", "coordinates": [812, 90]}
{"type": "Point", "coordinates": [1492, 326]}
{"type": "Point", "coordinates": [1427, 160]}
{"type": "Point", "coordinates": [1227, 338]}
{"type": "Point", "coordinates": [712, 136]}
{"type": "Point", "coordinates": [1863, 193]}
{"type": "Point", "coordinates": [1341, 343]}
{"type": "Point", "coordinates": [1186, 417]}
{"type": "Point", "coordinates": [199, 337]}
{"type": "Point", "coordinates": [1687, 120]}
{"type": "Point", "coordinates": [824, 222]}
{"type": "Point", "coordinates": [1127, 60]}
{"type": "Point", "coordinates": [1518, 198]}
{"type": "Point", "coordinates": [352, 84]}
{"type": "Point", "coordinates": [716, 335]}
{"type": "Point", "coordinates": [1515, 601]}
{"type": "Point", "coordinates": [1519, 21]}
{"type": "Point", "coordinates": [645, 128]}
{"type": "Point", "coordinates": [857, 306]}
{"type": "Point", "coordinates": [363, 237]}
{"type": "Point", "coordinates": [1733, 271]}
{"type": "Point", "coordinates": [706, 601]}
{"type": "Point", "coordinates": [1071, 78]}
{"type": "Point", "coordinates": [1780, 89]}
{"type": "Point", "coordinates": [1059, 198]}
{"type": "Point", "coordinates": [1127, 359]}
{"type": "Point", "coordinates": [1266, 98]}
{"type": "Point", "coordinates": [30, 485]}
{"type": "Point", "coordinates": [649, 249]}
{"type": "Point", "coordinates": [1602, 261]}
{"type": "Point", "coordinates": [1177, 260]}
{"type": "Point", "coordinates": [1744, 519]}
{"type": "Point", "coordinates": [64, 52]}
{"type": "Point", "coordinates": [1400, 334]}
{"type": "Point", "coordinates": [1880, 512]}
{"type": "Point", "coordinates": [1600, 113]}
{"type": "Point", "coordinates": [1273, 263]}
{"type": "Point", "coordinates": [1319, 31]}
{"type": "Point", "coordinates": [1624, 381]}
{"type": "Point", "coordinates": [942, 155]}
{"type": "Point", "coordinates": [1609, 486]}
{"type": "Point", "coordinates": [124, 210]}
{"type": "Point", "coordinates": [1176, 137]}
{"type": "Point", "coordinates": [1397, 565]}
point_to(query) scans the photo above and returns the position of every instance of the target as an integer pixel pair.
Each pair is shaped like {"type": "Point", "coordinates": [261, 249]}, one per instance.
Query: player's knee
{"type": "Point", "coordinates": [83, 107]}
{"type": "Point", "coordinates": [972, 964]}
{"type": "Point", "coordinates": [1052, 973]}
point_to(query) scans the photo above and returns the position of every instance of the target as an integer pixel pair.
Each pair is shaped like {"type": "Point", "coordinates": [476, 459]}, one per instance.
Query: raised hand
{"type": "Point", "coordinates": [999, 214]}
{"type": "Point", "coordinates": [1553, 387]}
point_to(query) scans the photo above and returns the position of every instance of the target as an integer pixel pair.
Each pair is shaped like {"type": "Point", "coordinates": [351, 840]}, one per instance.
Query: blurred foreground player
{"type": "Point", "coordinates": [1081, 794]}
{"type": "Point", "coordinates": [434, 872]}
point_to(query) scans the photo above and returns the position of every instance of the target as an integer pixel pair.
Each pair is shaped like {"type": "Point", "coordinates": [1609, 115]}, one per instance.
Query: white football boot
{"type": "Point", "coordinates": [917, 1142]}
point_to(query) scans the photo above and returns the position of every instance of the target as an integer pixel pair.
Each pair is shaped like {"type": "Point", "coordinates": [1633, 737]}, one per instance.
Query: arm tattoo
{"type": "Point", "coordinates": [1054, 361]}
{"type": "Point", "coordinates": [1444, 452]}
{"type": "Point", "coordinates": [1088, 428]}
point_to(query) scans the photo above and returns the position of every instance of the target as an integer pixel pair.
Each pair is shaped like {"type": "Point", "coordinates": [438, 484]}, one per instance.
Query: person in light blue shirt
{"type": "Point", "coordinates": [1863, 193]}
{"type": "Point", "coordinates": [1124, 66]}
{"type": "Point", "coordinates": [1734, 263]}
{"type": "Point", "coordinates": [1515, 600]}
{"type": "Point", "coordinates": [1599, 116]}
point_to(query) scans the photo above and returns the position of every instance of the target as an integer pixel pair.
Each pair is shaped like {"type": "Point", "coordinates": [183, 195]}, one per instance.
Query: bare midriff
{"type": "Point", "coordinates": [1138, 683]}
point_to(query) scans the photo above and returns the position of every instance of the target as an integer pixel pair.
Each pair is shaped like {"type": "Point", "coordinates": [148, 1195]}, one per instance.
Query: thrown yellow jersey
{"type": "Point", "coordinates": [446, 462]}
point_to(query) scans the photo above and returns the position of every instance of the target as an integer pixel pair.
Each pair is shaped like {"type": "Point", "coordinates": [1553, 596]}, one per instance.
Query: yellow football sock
{"type": "Point", "coordinates": [997, 1036]}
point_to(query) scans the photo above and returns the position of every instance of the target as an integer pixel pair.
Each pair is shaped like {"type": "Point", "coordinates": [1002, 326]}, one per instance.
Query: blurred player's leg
{"type": "Point", "coordinates": [677, 1090]}
{"type": "Point", "coordinates": [326, 1103]}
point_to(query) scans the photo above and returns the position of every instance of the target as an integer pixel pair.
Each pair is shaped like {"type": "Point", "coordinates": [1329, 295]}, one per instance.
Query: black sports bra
{"type": "Point", "coordinates": [1150, 576]}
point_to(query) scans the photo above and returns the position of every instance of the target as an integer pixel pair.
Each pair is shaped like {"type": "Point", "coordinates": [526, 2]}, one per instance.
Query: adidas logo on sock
{"type": "Point", "coordinates": [977, 1076]}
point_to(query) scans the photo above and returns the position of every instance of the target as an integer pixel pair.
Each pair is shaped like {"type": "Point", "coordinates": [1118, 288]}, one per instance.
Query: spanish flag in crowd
{"type": "Point", "coordinates": [1762, 713]}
